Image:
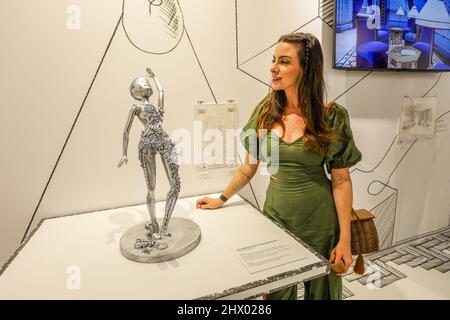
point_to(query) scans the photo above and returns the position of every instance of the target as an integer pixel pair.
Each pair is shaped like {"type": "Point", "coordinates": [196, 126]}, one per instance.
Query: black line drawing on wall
{"type": "Point", "coordinates": [200, 65]}
{"type": "Point", "coordinates": [326, 12]}
{"type": "Point", "coordinates": [385, 219]}
{"type": "Point", "coordinates": [71, 130]}
{"type": "Point", "coordinates": [153, 26]}
{"type": "Point", "coordinates": [151, 3]}
{"type": "Point", "coordinates": [171, 14]}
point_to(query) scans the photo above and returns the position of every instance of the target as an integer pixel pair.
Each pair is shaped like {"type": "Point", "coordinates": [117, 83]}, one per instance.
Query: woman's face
{"type": "Point", "coordinates": [286, 70]}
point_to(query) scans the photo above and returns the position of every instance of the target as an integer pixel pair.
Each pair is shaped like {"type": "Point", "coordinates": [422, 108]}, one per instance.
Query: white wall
{"type": "Point", "coordinates": [48, 68]}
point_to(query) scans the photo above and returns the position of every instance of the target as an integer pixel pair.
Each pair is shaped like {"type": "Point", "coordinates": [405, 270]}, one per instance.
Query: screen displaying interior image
{"type": "Point", "coordinates": [392, 34]}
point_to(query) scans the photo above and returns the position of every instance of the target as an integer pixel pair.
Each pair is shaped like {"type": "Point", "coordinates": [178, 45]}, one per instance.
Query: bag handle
{"type": "Point", "coordinates": [355, 215]}
{"type": "Point", "coordinates": [361, 216]}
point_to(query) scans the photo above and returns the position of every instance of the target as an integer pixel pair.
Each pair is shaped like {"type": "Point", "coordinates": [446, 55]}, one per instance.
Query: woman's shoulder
{"type": "Point", "coordinates": [334, 109]}
{"type": "Point", "coordinates": [256, 113]}
{"type": "Point", "coordinates": [259, 109]}
{"type": "Point", "coordinates": [336, 114]}
{"type": "Point", "coordinates": [262, 104]}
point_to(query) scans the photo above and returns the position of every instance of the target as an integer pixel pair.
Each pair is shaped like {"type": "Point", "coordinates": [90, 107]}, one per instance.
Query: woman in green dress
{"type": "Point", "coordinates": [310, 136]}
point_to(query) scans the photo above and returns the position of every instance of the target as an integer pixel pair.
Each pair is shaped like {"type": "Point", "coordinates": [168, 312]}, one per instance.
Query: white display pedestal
{"type": "Point", "coordinates": [78, 257]}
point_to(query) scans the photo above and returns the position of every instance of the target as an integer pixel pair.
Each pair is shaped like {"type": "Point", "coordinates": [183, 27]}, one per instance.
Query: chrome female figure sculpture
{"type": "Point", "coordinates": [153, 140]}
{"type": "Point", "coordinates": [138, 244]}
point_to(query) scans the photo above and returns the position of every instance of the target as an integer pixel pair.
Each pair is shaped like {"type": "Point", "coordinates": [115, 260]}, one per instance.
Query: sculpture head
{"type": "Point", "coordinates": [140, 88]}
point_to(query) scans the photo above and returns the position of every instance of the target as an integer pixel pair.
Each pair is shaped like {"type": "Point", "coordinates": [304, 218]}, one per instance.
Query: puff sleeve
{"type": "Point", "coordinates": [248, 135]}
{"type": "Point", "coordinates": [342, 153]}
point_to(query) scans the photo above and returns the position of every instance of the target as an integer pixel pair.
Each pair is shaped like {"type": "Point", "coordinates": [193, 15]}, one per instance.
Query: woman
{"type": "Point", "coordinates": [300, 195]}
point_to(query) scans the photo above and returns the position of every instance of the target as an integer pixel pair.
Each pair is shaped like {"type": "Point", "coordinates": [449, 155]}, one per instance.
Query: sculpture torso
{"type": "Point", "coordinates": [150, 116]}
{"type": "Point", "coordinates": [153, 137]}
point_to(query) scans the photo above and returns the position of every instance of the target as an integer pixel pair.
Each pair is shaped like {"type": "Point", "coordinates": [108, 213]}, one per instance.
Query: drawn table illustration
{"type": "Point", "coordinates": [243, 254]}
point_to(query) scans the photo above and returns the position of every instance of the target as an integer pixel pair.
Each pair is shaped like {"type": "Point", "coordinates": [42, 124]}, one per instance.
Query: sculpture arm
{"type": "Point", "coordinates": [126, 131]}
{"type": "Point", "coordinates": [160, 90]}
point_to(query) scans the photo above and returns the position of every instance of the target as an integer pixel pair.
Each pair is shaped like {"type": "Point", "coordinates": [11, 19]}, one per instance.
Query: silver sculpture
{"type": "Point", "coordinates": [155, 140]}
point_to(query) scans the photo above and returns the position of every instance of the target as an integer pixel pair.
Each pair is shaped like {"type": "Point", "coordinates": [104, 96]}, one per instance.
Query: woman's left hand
{"type": "Point", "coordinates": [344, 252]}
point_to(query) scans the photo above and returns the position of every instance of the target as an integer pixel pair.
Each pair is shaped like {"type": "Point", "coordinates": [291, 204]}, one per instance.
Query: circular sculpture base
{"type": "Point", "coordinates": [184, 237]}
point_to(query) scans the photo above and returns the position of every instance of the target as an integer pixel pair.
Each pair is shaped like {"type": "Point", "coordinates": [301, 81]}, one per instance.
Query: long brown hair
{"type": "Point", "coordinates": [310, 91]}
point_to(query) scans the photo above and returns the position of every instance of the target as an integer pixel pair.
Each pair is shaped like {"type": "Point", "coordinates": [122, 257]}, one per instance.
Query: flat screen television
{"type": "Point", "coordinates": [402, 35]}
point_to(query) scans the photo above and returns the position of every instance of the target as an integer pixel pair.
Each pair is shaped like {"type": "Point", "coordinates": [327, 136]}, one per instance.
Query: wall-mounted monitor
{"type": "Point", "coordinates": [406, 35]}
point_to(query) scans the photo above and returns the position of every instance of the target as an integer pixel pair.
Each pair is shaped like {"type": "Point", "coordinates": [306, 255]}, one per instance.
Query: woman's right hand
{"type": "Point", "coordinates": [209, 203]}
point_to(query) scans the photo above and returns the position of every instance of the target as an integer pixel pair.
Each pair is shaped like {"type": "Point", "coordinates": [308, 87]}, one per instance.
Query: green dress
{"type": "Point", "coordinates": [299, 194]}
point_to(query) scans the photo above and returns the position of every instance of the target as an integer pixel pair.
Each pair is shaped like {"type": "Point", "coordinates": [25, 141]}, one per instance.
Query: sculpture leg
{"type": "Point", "coordinates": [170, 163]}
{"type": "Point", "coordinates": [149, 166]}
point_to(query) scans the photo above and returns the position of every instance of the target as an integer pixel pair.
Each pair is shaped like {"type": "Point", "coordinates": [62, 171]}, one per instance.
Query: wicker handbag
{"type": "Point", "coordinates": [364, 237]}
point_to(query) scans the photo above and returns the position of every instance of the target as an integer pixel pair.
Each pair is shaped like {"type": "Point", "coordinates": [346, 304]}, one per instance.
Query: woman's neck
{"type": "Point", "coordinates": [292, 101]}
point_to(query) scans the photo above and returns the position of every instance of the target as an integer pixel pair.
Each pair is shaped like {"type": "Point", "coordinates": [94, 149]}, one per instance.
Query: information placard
{"type": "Point", "coordinates": [267, 255]}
